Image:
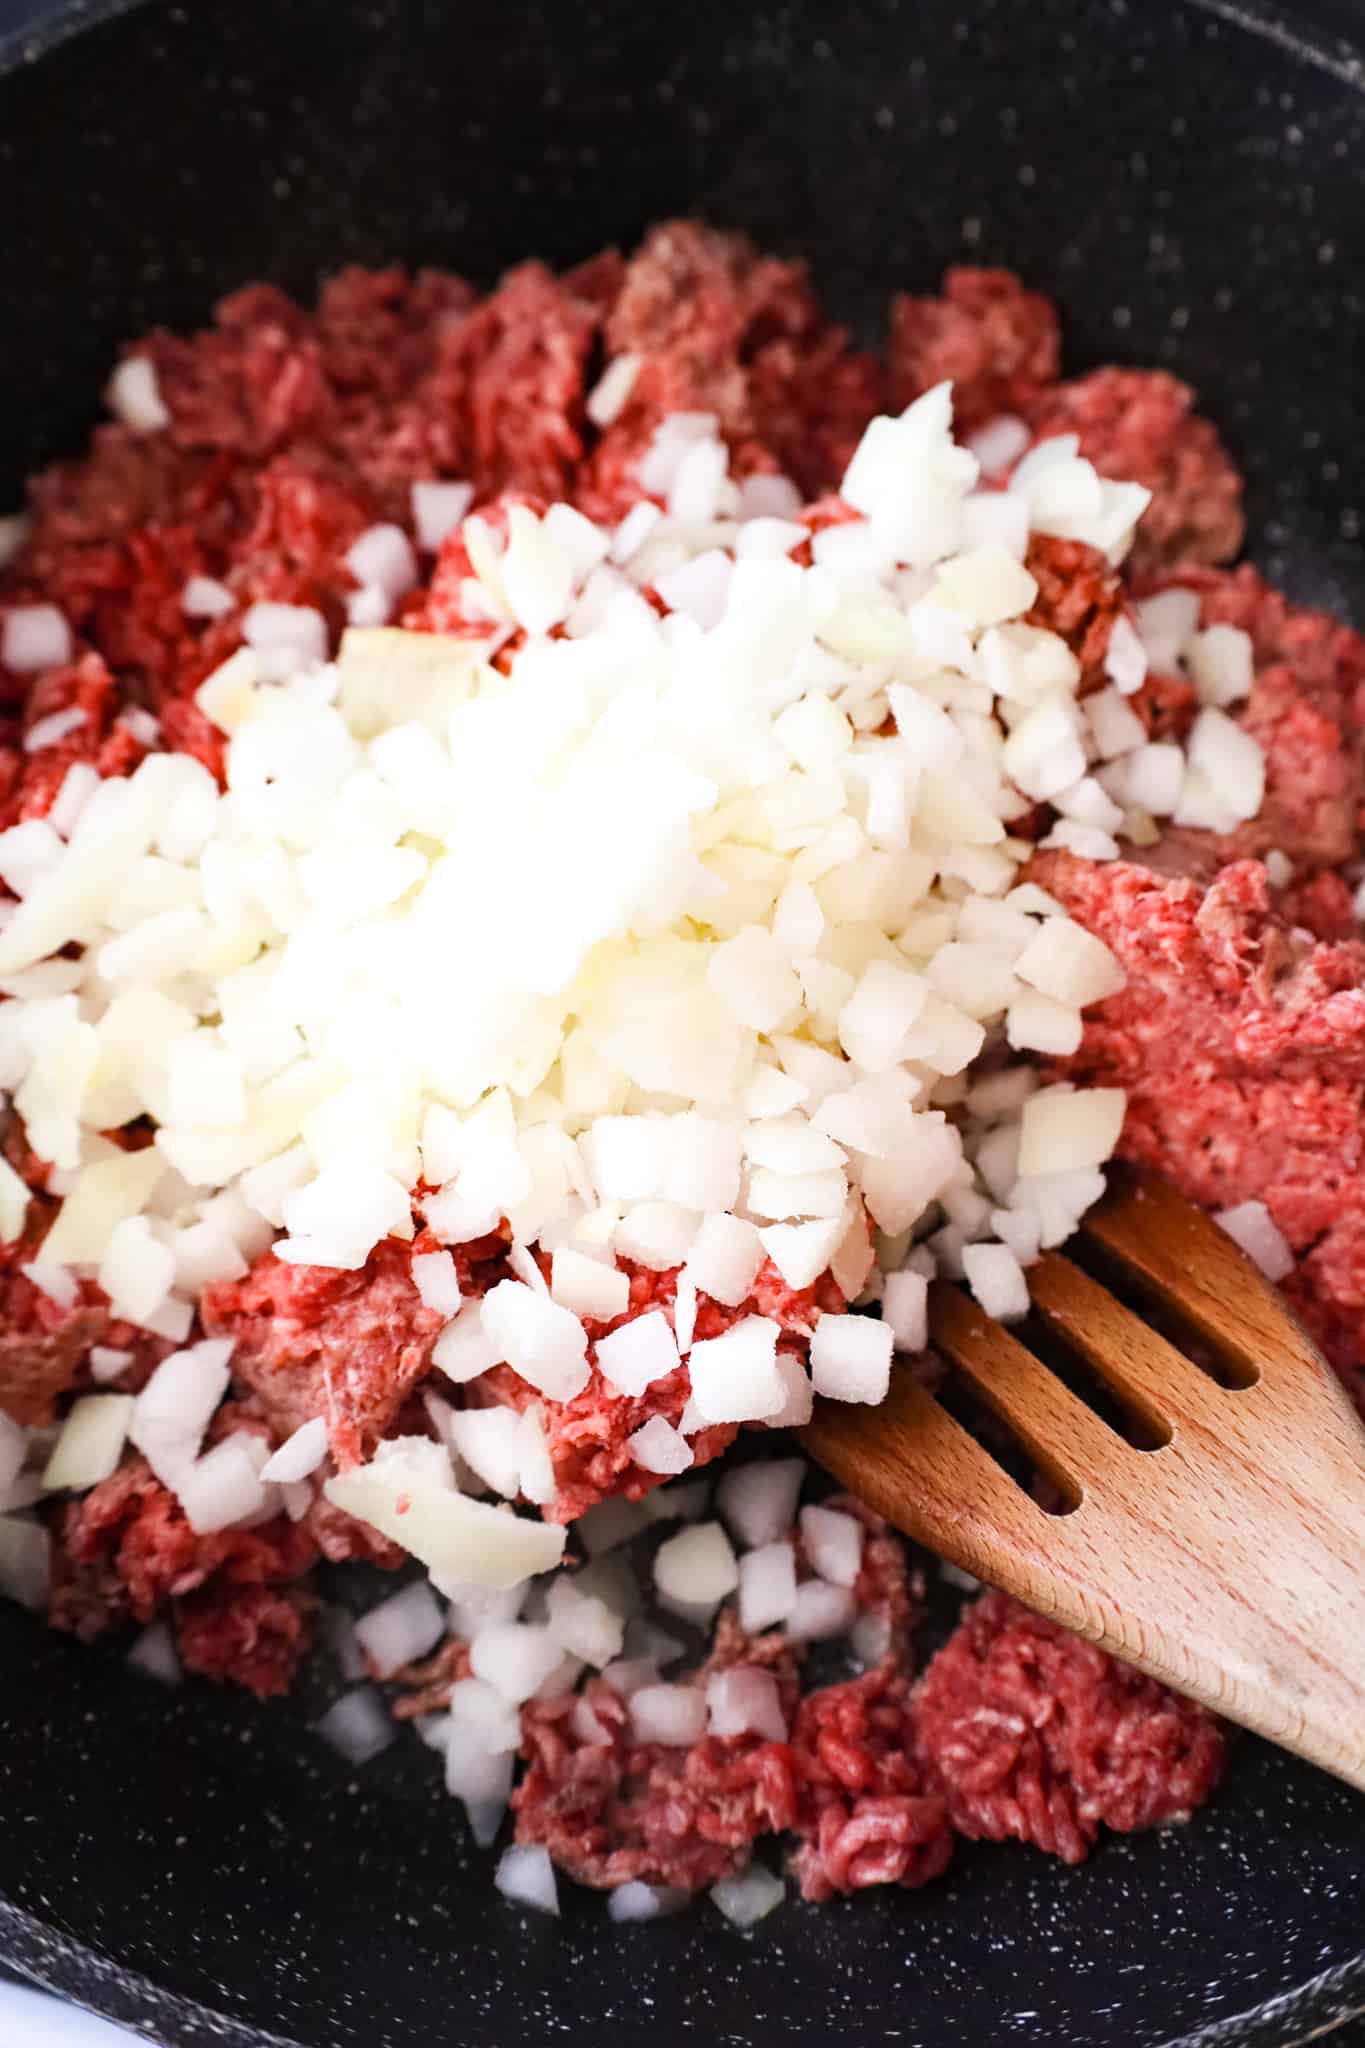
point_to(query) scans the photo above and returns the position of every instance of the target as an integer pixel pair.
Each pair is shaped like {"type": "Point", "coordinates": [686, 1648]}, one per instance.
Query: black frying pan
{"type": "Point", "coordinates": [1187, 178]}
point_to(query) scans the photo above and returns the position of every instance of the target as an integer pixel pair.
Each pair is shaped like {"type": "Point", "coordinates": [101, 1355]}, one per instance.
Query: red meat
{"type": "Point", "coordinates": [312, 1340]}
{"type": "Point", "coordinates": [250, 385]}
{"type": "Point", "coordinates": [427, 1684]}
{"type": "Point", "coordinates": [847, 1782]}
{"type": "Point", "coordinates": [522, 355]}
{"type": "Point", "coordinates": [125, 1550]}
{"type": "Point", "coordinates": [1140, 426]}
{"type": "Point", "coordinates": [1241, 1038]}
{"type": "Point", "coordinates": [721, 329]}
{"type": "Point", "coordinates": [868, 1811]}
{"type": "Point", "coordinates": [1079, 596]}
{"type": "Point", "coordinates": [1320, 903]}
{"type": "Point", "coordinates": [44, 1347]}
{"type": "Point", "coordinates": [1036, 1736]}
{"type": "Point", "coordinates": [253, 1636]}
{"type": "Point", "coordinates": [1307, 711]}
{"type": "Point", "coordinates": [1241, 1042]}
{"type": "Point", "coordinates": [610, 1809]}
{"type": "Point", "coordinates": [999, 344]}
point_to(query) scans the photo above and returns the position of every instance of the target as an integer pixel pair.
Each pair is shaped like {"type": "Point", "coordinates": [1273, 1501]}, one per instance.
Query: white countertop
{"type": "Point", "coordinates": [30, 2019]}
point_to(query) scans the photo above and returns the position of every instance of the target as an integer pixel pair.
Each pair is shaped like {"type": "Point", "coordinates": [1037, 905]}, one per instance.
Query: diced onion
{"type": "Point", "coordinates": [674, 1715]}
{"type": "Point", "coordinates": [750, 1897]}
{"type": "Point", "coordinates": [758, 1500]}
{"type": "Point", "coordinates": [582, 1623]}
{"type": "Point", "coordinates": [745, 1701]}
{"type": "Point", "coordinates": [526, 1876]}
{"type": "Point", "coordinates": [697, 1567]}
{"type": "Point", "coordinates": [751, 809]}
{"type": "Point", "coordinates": [406, 1626]}
{"type": "Point", "coordinates": [833, 1543]}
{"type": "Point", "coordinates": [1251, 1225]}
{"type": "Point", "coordinates": [767, 1587]}
{"type": "Point", "coordinates": [850, 1358]}
{"type": "Point", "coordinates": [636, 1900]}
{"type": "Point", "coordinates": [91, 1442]}
{"type": "Point", "coordinates": [358, 1726]}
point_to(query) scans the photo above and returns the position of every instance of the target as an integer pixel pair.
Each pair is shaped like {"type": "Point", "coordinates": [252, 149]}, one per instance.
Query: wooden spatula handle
{"type": "Point", "coordinates": [1212, 1574]}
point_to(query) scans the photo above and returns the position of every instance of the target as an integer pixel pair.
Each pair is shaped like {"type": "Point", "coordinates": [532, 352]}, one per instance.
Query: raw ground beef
{"type": "Point", "coordinates": [254, 1636]}
{"type": "Point", "coordinates": [999, 343]}
{"type": "Point", "coordinates": [717, 328]}
{"type": "Point", "coordinates": [1016, 1730]}
{"type": "Point", "coordinates": [609, 1808]}
{"type": "Point", "coordinates": [1140, 426]}
{"type": "Point", "coordinates": [293, 430]}
{"type": "Point", "coordinates": [1241, 1041]}
{"type": "Point", "coordinates": [847, 1782]}
{"type": "Point", "coordinates": [125, 1550]}
{"type": "Point", "coordinates": [1036, 1736]}
{"type": "Point", "coordinates": [1306, 709]}
{"type": "Point", "coordinates": [355, 1347]}
{"type": "Point", "coordinates": [1079, 596]}
{"type": "Point", "coordinates": [312, 1340]}
{"type": "Point", "coordinates": [868, 1811]}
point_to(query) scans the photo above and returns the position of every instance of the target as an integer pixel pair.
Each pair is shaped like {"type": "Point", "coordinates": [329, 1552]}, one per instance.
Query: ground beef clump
{"type": "Point", "coordinates": [313, 1340]}
{"type": "Point", "coordinates": [291, 430]}
{"type": "Point", "coordinates": [1241, 1042]}
{"type": "Point", "coordinates": [253, 1636]}
{"type": "Point", "coordinates": [1140, 426]}
{"type": "Point", "coordinates": [999, 343]}
{"type": "Point", "coordinates": [1016, 1730]}
{"type": "Point", "coordinates": [126, 1551]}
{"type": "Point", "coordinates": [610, 1808]}
{"type": "Point", "coordinates": [1079, 596]}
{"type": "Point", "coordinates": [1036, 1736]}
{"type": "Point", "coordinates": [868, 1812]}
{"type": "Point", "coordinates": [717, 328]}
{"type": "Point", "coordinates": [1307, 712]}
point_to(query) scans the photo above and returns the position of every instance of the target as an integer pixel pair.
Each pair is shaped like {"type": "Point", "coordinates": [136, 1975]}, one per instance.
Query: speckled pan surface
{"type": "Point", "coordinates": [1187, 181]}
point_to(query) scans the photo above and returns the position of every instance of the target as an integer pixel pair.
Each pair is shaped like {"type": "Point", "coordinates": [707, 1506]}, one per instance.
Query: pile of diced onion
{"type": "Point", "coordinates": [695, 939]}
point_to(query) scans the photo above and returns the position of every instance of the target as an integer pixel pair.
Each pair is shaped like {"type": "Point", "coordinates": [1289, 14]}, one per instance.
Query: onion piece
{"type": "Point", "coordinates": [767, 1587]}
{"type": "Point", "coordinates": [357, 1726]}
{"type": "Point", "coordinates": [90, 1444]}
{"type": "Point", "coordinates": [526, 1876]}
{"type": "Point", "coordinates": [833, 1543]}
{"type": "Point", "coordinates": [750, 1897]}
{"type": "Point", "coordinates": [697, 1567]}
{"type": "Point", "coordinates": [1251, 1225]}
{"type": "Point", "coordinates": [298, 1455]}
{"type": "Point", "coordinates": [758, 1500]}
{"type": "Point", "coordinates": [25, 1561]}
{"type": "Point", "coordinates": [635, 1901]}
{"type": "Point", "coordinates": [400, 1630]}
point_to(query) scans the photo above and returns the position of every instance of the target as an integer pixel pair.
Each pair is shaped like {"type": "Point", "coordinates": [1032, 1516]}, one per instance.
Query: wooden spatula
{"type": "Point", "coordinates": [1229, 1562]}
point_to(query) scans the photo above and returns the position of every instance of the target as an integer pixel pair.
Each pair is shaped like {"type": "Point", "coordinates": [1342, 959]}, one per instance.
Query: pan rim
{"type": "Point", "coordinates": [71, 1969]}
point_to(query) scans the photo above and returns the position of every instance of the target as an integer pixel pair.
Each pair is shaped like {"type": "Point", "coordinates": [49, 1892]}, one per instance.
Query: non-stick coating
{"type": "Point", "coordinates": [1188, 184]}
